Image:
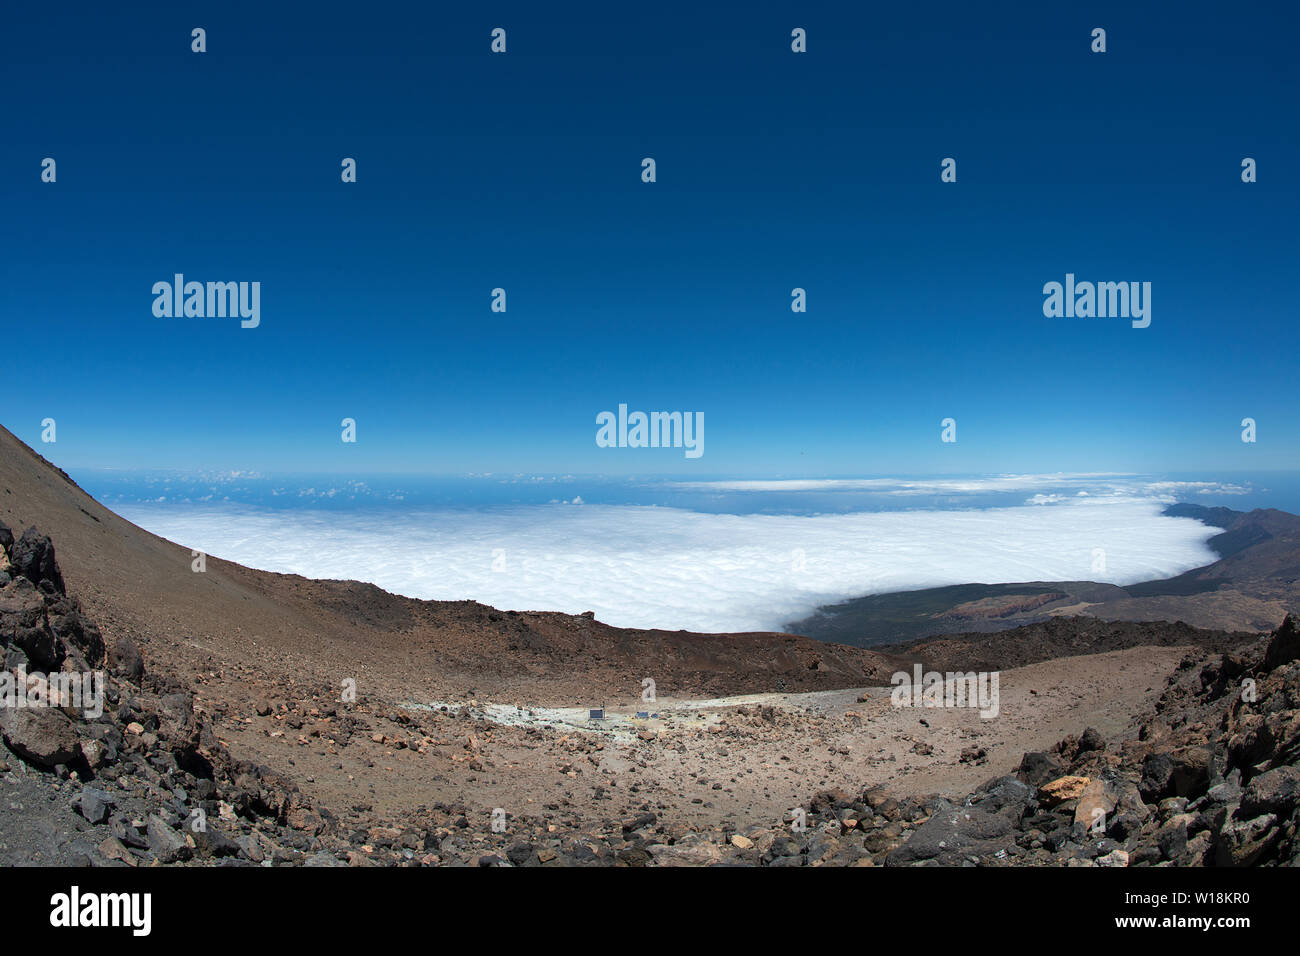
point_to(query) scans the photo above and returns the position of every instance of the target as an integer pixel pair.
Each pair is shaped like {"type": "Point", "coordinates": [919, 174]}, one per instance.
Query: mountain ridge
{"type": "Point", "coordinates": [1255, 580]}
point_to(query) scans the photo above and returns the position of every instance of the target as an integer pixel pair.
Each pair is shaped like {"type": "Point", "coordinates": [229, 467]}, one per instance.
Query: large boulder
{"type": "Point", "coordinates": [126, 660]}
{"type": "Point", "coordinates": [1096, 803]}
{"type": "Point", "coordinates": [1253, 740]}
{"type": "Point", "coordinates": [1245, 842]}
{"type": "Point", "coordinates": [94, 804]}
{"type": "Point", "coordinates": [1038, 767]}
{"type": "Point", "coordinates": [165, 842]}
{"type": "Point", "coordinates": [1005, 795]}
{"type": "Point", "coordinates": [1091, 740]}
{"type": "Point", "coordinates": [71, 625]}
{"type": "Point", "coordinates": [1183, 772]}
{"type": "Point", "coordinates": [980, 829]}
{"type": "Point", "coordinates": [32, 557]}
{"type": "Point", "coordinates": [23, 625]}
{"type": "Point", "coordinates": [954, 834]}
{"type": "Point", "coordinates": [43, 736]}
{"type": "Point", "coordinates": [1192, 769]}
{"type": "Point", "coordinates": [1276, 791]}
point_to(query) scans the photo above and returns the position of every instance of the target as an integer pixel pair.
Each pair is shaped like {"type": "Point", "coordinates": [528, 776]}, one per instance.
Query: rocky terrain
{"type": "Point", "coordinates": [1209, 777]}
{"type": "Point", "coordinates": [261, 719]}
{"type": "Point", "coordinates": [145, 780]}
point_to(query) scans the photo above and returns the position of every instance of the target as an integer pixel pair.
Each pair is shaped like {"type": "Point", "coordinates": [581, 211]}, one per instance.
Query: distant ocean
{"type": "Point", "coordinates": [707, 555]}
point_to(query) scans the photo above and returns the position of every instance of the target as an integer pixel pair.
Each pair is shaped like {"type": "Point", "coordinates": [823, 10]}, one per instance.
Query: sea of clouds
{"type": "Point", "coordinates": [666, 567]}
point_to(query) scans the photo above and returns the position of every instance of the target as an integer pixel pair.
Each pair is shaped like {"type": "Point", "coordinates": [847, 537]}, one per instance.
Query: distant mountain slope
{"type": "Point", "coordinates": [1215, 517]}
{"type": "Point", "coordinates": [136, 583]}
{"type": "Point", "coordinates": [1250, 588]}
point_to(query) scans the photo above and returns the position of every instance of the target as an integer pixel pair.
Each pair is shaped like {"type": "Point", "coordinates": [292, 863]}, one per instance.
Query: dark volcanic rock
{"type": "Point", "coordinates": [212, 842]}
{"type": "Point", "coordinates": [954, 834]}
{"type": "Point", "coordinates": [1184, 772]}
{"type": "Point", "coordinates": [521, 853]}
{"type": "Point", "coordinates": [982, 828]}
{"type": "Point", "coordinates": [1191, 770]}
{"type": "Point", "coordinates": [1036, 768]}
{"type": "Point", "coordinates": [164, 842]}
{"type": "Point", "coordinates": [44, 737]}
{"type": "Point", "coordinates": [1276, 791]}
{"type": "Point", "coordinates": [1285, 645]}
{"type": "Point", "coordinates": [1091, 740]}
{"type": "Point", "coordinates": [1213, 779]}
{"type": "Point", "coordinates": [127, 661]}
{"type": "Point", "coordinates": [95, 805]}
{"type": "Point", "coordinates": [23, 625]}
{"type": "Point", "coordinates": [1246, 842]}
{"type": "Point", "coordinates": [69, 623]}
{"type": "Point", "coordinates": [156, 763]}
{"type": "Point", "coordinates": [32, 556]}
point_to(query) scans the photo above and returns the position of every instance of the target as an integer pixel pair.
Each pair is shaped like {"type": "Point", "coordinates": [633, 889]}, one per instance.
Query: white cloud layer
{"type": "Point", "coordinates": [1124, 485]}
{"type": "Point", "coordinates": [670, 568]}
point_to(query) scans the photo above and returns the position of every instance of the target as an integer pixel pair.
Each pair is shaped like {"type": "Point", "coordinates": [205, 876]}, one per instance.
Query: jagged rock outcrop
{"type": "Point", "coordinates": [1212, 780]}
{"type": "Point", "coordinates": [145, 769]}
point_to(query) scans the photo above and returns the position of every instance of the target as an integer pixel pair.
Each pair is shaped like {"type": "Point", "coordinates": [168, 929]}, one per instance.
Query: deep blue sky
{"type": "Point", "coordinates": [775, 170]}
